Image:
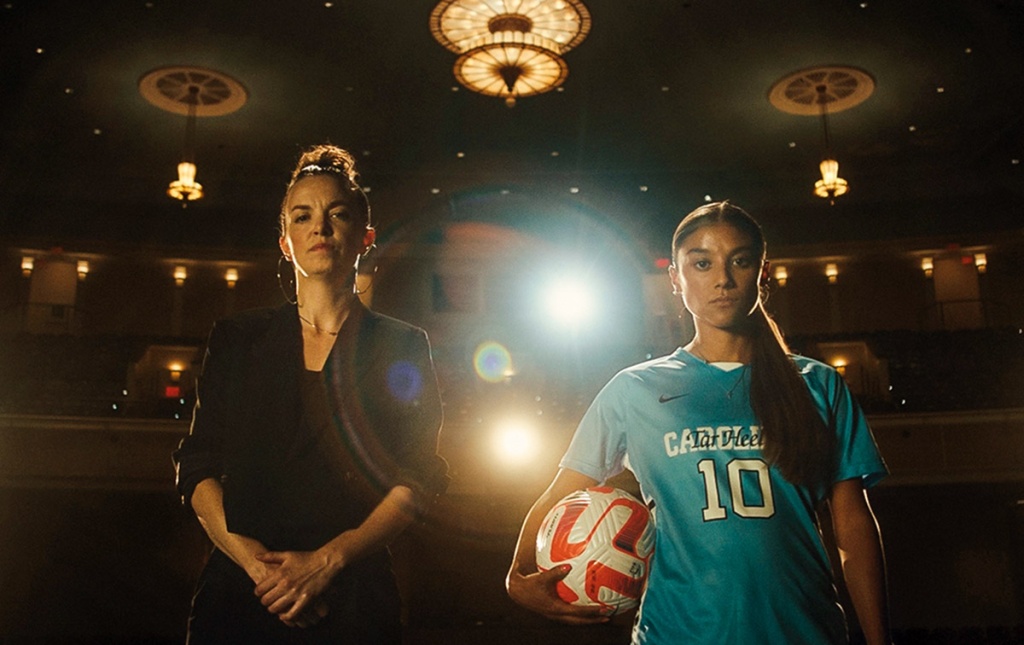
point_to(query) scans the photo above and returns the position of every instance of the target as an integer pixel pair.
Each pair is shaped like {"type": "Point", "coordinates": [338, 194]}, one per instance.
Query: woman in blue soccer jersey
{"type": "Point", "coordinates": [314, 439]}
{"type": "Point", "coordinates": [735, 444]}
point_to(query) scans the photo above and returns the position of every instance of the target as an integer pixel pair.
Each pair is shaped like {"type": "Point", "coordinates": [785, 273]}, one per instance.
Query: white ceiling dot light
{"type": "Point", "coordinates": [510, 48]}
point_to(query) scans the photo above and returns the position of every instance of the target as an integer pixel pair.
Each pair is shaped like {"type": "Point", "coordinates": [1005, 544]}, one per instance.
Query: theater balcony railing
{"type": "Point", "coordinates": [946, 406]}
{"type": "Point", "coordinates": [967, 313]}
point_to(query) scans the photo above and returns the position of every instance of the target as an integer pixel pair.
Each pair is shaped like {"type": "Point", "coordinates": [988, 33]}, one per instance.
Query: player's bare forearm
{"type": "Point", "coordinates": [863, 561]}
{"type": "Point", "coordinates": [536, 590]}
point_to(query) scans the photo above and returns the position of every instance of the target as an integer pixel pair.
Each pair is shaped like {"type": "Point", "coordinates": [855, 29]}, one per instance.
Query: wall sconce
{"type": "Point", "coordinates": [928, 266]}
{"type": "Point", "coordinates": [175, 369]}
{"type": "Point", "coordinates": [231, 276]}
{"type": "Point", "coordinates": [832, 273]}
{"type": "Point", "coordinates": [83, 269]}
{"type": "Point", "coordinates": [781, 276]}
{"type": "Point", "coordinates": [840, 365]}
{"type": "Point", "coordinates": [180, 273]}
{"type": "Point", "coordinates": [27, 264]}
{"type": "Point", "coordinates": [981, 262]}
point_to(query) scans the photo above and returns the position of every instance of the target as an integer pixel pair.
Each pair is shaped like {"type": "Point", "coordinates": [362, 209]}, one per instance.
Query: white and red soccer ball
{"type": "Point", "coordinates": [607, 536]}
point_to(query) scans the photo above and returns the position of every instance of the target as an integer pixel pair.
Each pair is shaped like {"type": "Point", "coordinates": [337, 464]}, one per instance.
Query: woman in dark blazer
{"type": "Point", "coordinates": [313, 442]}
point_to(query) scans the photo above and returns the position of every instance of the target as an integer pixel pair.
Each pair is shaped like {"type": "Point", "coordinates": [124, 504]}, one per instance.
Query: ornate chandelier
{"type": "Point", "coordinates": [510, 48]}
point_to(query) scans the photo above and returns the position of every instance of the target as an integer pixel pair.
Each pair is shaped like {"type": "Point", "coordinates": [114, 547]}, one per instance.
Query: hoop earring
{"type": "Point", "coordinates": [291, 300]}
{"type": "Point", "coordinates": [373, 274]}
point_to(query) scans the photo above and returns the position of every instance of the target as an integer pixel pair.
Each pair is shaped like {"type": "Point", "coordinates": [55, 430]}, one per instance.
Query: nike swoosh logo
{"type": "Point", "coordinates": [665, 398]}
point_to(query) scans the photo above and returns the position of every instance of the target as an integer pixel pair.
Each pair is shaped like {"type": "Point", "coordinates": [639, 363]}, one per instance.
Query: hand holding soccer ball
{"type": "Point", "coordinates": [606, 535]}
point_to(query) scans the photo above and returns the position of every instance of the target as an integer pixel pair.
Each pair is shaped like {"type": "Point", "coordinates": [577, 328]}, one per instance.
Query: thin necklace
{"type": "Point", "coordinates": [728, 392]}
{"type": "Point", "coordinates": [313, 325]}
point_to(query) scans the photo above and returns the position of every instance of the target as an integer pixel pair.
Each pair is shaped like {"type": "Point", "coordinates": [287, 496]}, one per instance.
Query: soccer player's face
{"type": "Point", "coordinates": [716, 272]}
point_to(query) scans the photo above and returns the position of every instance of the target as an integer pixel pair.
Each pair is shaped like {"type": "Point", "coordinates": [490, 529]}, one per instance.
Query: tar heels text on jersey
{"type": "Point", "coordinates": [709, 438]}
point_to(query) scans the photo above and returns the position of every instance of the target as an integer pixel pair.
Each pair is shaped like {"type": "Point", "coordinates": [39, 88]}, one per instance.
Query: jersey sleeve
{"type": "Point", "coordinates": [857, 453]}
{"type": "Point", "coordinates": [598, 447]}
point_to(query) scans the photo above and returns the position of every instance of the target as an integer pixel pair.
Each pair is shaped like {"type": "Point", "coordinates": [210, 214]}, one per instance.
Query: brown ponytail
{"type": "Point", "coordinates": [796, 438]}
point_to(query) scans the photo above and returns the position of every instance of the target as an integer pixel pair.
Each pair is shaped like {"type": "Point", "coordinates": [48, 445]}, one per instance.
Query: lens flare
{"type": "Point", "coordinates": [492, 362]}
{"type": "Point", "coordinates": [404, 381]}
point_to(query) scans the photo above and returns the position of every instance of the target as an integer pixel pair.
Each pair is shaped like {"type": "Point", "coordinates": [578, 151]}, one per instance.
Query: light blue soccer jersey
{"type": "Point", "coordinates": [739, 557]}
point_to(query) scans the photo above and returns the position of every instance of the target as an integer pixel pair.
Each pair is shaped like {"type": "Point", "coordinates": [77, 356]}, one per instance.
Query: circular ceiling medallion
{"type": "Point", "coordinates": [838, 87]}
{"type": "Point", "coordinates": [176, 87]}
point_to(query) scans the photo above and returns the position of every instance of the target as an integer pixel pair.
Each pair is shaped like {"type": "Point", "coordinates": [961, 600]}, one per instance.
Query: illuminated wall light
{"type": "Point", "coordinates": [27, 264]}
{"type": "Point", "coordinates": [231, 277]}
{"type": "Point", "coordinates": [83, 269]}
{"type": "Point", "coordinates": [180, 273]}
{"type": "Point", "coordinates": [781, 275]}
{"type": "Point", "coordinates": [840, 365]}
{"type": "Point", "coordinates": [175, 369]}
{"type": "Point", "coordinates": [927, 266]}
{"type": "Point", "coordinates": [981, 262]}
{"type": "Point", "coordinates": [832, 273]}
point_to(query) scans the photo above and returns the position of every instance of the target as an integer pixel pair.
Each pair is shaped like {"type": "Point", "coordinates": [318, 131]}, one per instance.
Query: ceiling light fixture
{"type": "Point", "coordinates": [186, 188]}
{"type": "Point", "coordinates": [193, 92]}
{"type": "Point", "coordinates": [819, 91]}
{"type": "Point", "coordinates": [510, 48]}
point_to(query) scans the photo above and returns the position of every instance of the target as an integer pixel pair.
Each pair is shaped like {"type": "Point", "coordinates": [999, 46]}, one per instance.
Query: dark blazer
{"type": "Point", "coordinates": [288, 484]}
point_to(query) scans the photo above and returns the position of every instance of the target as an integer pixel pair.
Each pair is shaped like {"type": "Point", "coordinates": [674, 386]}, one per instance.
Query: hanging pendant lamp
{"type": "Point", "coordinates": [193, 92]}
{"type": "Point", "coordinates": [819, 91]}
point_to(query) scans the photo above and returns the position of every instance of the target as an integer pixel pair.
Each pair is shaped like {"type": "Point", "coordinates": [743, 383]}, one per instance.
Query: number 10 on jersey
{"type": "Point", "coordinates": [736, 471]}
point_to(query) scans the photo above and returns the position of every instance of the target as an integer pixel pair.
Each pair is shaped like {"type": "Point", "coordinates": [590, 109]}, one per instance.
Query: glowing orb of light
{"type": "Point", "coordinates": [569, 303]}
{"type": "Point", "coordinates": [515, 442]}
{"type": "Point", "coordinates": [492, 362]}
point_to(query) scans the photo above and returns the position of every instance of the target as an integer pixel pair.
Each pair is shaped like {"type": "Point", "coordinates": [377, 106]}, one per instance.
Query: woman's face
{"type": "Point", "coordinates": [324, 228]}
{"type": "Point", "coordinates": [716, 271]}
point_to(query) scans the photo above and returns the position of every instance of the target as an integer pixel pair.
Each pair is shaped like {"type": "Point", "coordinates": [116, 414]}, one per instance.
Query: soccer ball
{"type": "Point", "coordinates": [607, 536]}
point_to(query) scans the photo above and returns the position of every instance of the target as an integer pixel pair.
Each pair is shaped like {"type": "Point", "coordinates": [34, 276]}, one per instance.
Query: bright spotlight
{"type": "Point", "coordinates": [515, 442]}
{"type": "Point", "coordinates": [569, 303]}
